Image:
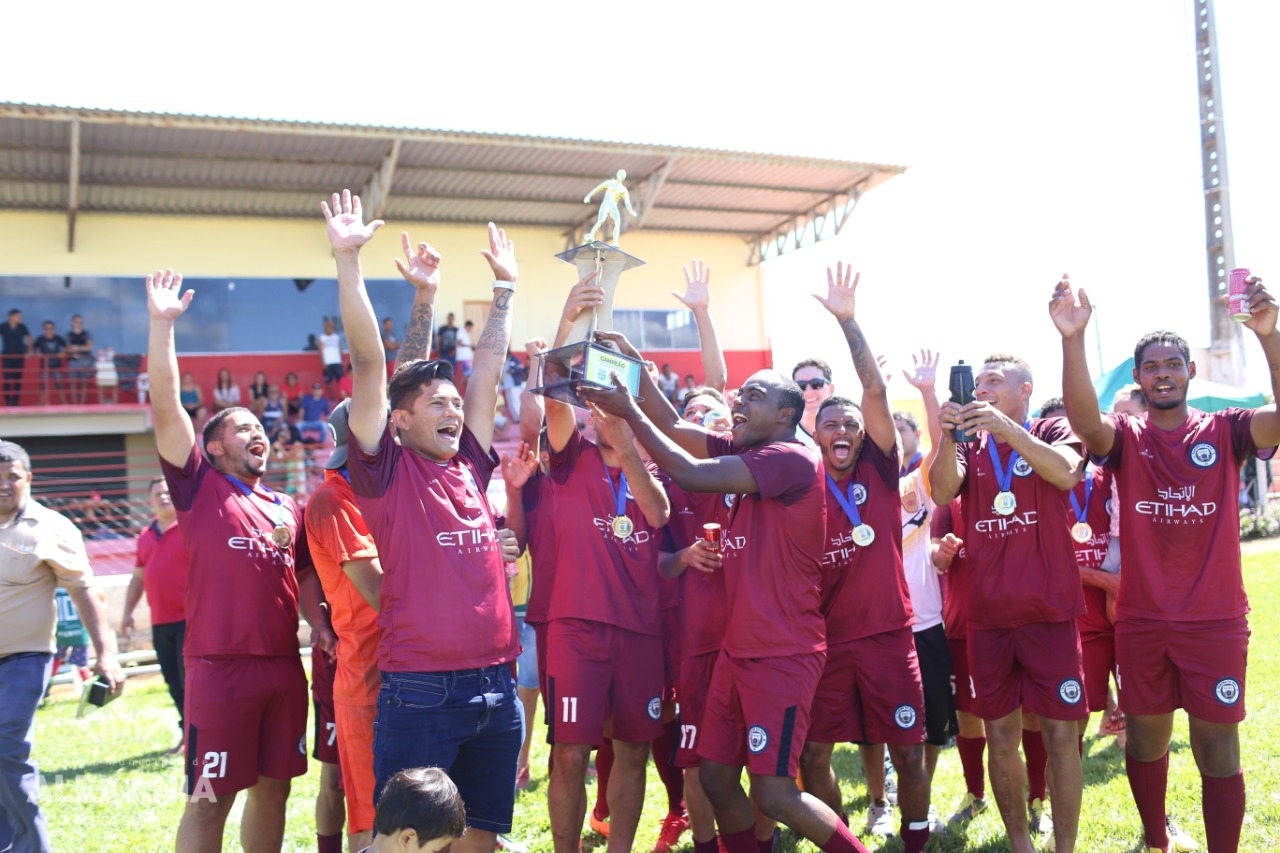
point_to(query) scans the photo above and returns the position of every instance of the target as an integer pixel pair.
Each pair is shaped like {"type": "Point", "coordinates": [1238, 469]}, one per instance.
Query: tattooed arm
{"type": "Point", "coordinates": [421, 268]}
{"type": "Point", "coordinates": [491, 348]}
{"type": "Point", "coordinates": [839, 300]}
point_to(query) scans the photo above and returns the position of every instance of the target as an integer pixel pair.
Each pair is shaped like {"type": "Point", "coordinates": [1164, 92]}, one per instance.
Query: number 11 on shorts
{"type": "Point", "coordinates": [570, 709]}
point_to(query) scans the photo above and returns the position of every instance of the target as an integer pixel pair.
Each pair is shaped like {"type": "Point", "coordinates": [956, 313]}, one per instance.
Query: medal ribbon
{"type": "Point", "coordinates": [847, 503]}
{"type": "Point", "coordinates": [1083, 512]}
{"type": "Point", "coordinates": [1004, 476]}
{"type": "Point", "coordinates": [619, 493]}
{"type": "Point", "coordinates": [248, 492]}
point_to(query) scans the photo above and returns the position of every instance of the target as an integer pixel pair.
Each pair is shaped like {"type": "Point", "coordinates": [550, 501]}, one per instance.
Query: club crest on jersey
{"type": "Point", "coordinates": [1107, 507]}
{"type": "Point", "coordinates": [859, 494]}
{"type": "Point", "coordinates": [910, 502]}
{"type": "Point", "coordinates": [1022, 468]}
{"type": "Point", "coordinates": [1203, 455]}
{"type": "Point", "coordinates": [904, 716]}
{"type": "Point", "coordinates": [1228, 691]}
{"type": "Point", "coordinates": [729, 501]}
{"type": "Point", "coordinates": [757, 739]}
{"type": "Point", "coordinates": [302, 745]}
{"type": "Point", "coordinates": [655, 708]}
{"type": "Point", "coordinates": [1069, 691]}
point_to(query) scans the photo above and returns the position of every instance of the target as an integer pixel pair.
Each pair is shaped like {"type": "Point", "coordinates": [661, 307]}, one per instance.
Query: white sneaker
{"type": "Point", "coordinates": [880, 819]}
{"type": "Point", "coordinates": [890, 780]}
{"type": "Point", "coordinates": [1179, 841]}
{"type": "Point", "coordinates": [935, 825]}
{"type": "Point", "coordinates": [1038, 818]}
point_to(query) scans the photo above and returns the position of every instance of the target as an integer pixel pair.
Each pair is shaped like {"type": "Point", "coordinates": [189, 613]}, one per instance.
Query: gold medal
{"type": "Point", "coordinates": [1006, 503]}
{"type": "Point", "coordinates": [622, 526]}
{"type": "Point", "coordinates": [863, 535]}
{"type": "Point", "coordinates": [1081, 532]}
{"type": "Point", "coordinates": [281, 536]}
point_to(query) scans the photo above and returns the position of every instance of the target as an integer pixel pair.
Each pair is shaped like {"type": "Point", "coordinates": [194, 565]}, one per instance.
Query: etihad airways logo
{"type": "Point", "coordinates": [469, 540]}
{"type": "Point", "coordinates": [841, 549]}
{"type": "Point", "coordinates": [605, 526]}
{"type": "Point", "coordinates": [1177, 505]}
{"type": "Point", "coordinates": [1008, 525]}
{"type": "Point", "coordinates": [260, 542]}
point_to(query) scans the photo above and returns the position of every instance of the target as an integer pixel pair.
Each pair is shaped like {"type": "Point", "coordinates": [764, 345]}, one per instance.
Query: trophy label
{"type": "Point", "coordinates": [601, 364]}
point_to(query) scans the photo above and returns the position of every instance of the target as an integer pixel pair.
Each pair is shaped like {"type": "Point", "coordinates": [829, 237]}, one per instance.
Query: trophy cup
{"type": "Point", "coordinates": [583, 360]}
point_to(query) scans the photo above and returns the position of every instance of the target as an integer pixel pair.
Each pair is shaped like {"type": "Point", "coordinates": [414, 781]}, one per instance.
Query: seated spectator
{"type": "Point", "coordinates": [80, 363]}
{"type": "Point", "coordinates": [272, 408]}
{"type": "Point", "coordinates": [192, 399]}
{"type": "Point", "coordinates": [284, 435]}
{"type": "Point", "coordinates": [50, 346]}
{"type": "Point", "coordinates": [292, 394]}
{"type": "Point", "coordinates": [258, 394]}
{"type": "Point", "coordinates": [345, 385]}
{"type": "Point", "coordinates": [419, 810]}
{"type": "Point", "coordinates": [226, 394]}
{"type": "Point", "coordinates": [668, 382]}
{"type": "Point", "coordinates": [686, 392]}
{"type": "Point", "coordinates": [315, 410]}
{"type": "Point", "coordinates": [390, 343]}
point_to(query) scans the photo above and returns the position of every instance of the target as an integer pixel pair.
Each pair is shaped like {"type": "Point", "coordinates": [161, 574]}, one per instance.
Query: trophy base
{"type": "Point", "coordinates": [585, 256]}
{"type": "Point", "coordinates": [564, 370]}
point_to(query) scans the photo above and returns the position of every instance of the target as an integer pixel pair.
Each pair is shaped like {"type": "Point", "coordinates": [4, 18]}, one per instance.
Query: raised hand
{"type": "Point", "coordinates": [1069, 315]}
{"type": "Point", "coordinates": [516, 470]}
{"type": "Point", "coordinates": [345, 219]}
{"type": "Point", "coordinates": [501, 255]}
{"type": "Point", "coordinates": [948, 547]}
{"type": "Point", "coordinates": [1263, 306]}
{"type": "Point", "coordinates": [616, 401]}
{"type": "Point", "coordinates": [583, 296]}
{"type": "Point", "coordinates": [420, 268]}
{"type": "Point", "coordinates": [697, 286]}
{"type": "Point", "coordinates": [620, 341]}
{"type": "Point", "coordinates": [924, 372]}
{"type": "Point", "coordinates": [841, 286]}
{"type": "Point", "coordinates": [163, 300]}
{"type": "Point", "coordinates": [615, 430]}
{"type": "Point", "coordinates": [533, 346]}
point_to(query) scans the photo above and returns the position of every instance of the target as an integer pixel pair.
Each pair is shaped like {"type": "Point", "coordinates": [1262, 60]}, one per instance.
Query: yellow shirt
{"type": "Point", "coordinates": [39, 551]}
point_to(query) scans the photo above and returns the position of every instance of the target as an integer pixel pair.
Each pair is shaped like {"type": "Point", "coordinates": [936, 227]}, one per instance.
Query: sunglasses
{"type": "Point", "coordinates": [813, 384]}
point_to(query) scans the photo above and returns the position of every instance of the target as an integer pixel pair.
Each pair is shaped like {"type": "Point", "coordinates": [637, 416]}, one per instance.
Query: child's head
{"type": "Point", "coordinates": [420, 811]}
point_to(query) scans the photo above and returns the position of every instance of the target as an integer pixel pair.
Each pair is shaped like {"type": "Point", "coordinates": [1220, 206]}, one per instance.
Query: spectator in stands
{"type": "Point", "coordinates": [272, 409]}
{"type": "Point", "coordinates": [331, 354]}
{"type": "Point", "coordinates": [161, 572]}
{"type": "Point", "coordinates": [80, 350]}
{"type": "Point", "coordinates": [668, 382]}
{"type": "Point", "coordinates": [344, 384]}
{"type": "Point", "coordinates": [16, 339]}
{"type": "Point", "coordinates": [515, 375]}
{"type": "Point", "coordinates": [687, 391]}
{"type": "Point", "coordinates": [447, 341]}
{"type": "Point", "coordinates": [465, 350]}
{"type": "Point", "coordinates": [292, 394]}
{"type": "Point", "coordinates": [192, 398]}
{"type": "Point", "coordinates": [390, 343]}
{"type": "Point", "coordinates": [258, 394]}
{"type": "Point", "coordinates": [226, 393]}
{"type": "Point", "coordinates": [39, 551]}
{"type": "Point", "coordinates": [50, 346]}
{"type": "Point", "coordinates": [284, 436]}
{"type": "Point", "coordinates": [315, 408]}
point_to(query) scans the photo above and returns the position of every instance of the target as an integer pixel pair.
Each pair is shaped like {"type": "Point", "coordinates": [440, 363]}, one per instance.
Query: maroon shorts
{"type": "Point", "coordinates": [670, 653]}
{"type": "Point", "coordinates": [245, 717]}
{"type": "Point", "coordinates": [962, 687]}
{"type": "Point", "coordinates": [540, 646]}
{"type": "Point", "coordinates": [1036, 667]}
{"type": "Point", "coordinates": [325, 738]}
{"type": "Point", "coordinates": [691, 687]}
{"type": "Point", "coordinates": [598, 672]}
{"type": "Point", "coordinates": [1099, 655]}
{"type": "Point", "coordinates": [1198, 666]}
{"type": "Point", "coordinates": [757, 712]}
{"type": "Point", "coordinates": [870, 692]}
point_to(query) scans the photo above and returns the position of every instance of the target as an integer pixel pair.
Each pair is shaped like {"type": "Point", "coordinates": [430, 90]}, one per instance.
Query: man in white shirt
{"type": "Point", "coordinates": [330, 346]}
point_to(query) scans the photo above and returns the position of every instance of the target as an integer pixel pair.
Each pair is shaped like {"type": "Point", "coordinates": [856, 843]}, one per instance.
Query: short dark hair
{"type": "Point", "coordinates": [13, 311]}
{"type": "Point", "coordinates": [468, 324]}
{"type": "Point", "coordinates": [11, 452]}
{"type": "Point", "coordinates": [836, 400]}
{"type": "Point", "coordinates": [904, 417]}
{"type": "Point", "coordinates": [1161, 336]}
{"type": "Point", "coordinates": [1052, 404]}
{"type": "Point", "coordinates": [153, 482]}
{"type": "Point", "coordinates": [213, 427]}
{"type": "Point", "coordinates": [791, 397]}
{"type": "Point", "coordinates": [703, 391]}
{"type": "Point", "coordinates": [407, 381]}
{"type": "Point", "coordinates": [423, 799]}
{"type": "Point", "coordinates": [1019, 364]}
{"type": "Point", "coordinates": [812, 362]}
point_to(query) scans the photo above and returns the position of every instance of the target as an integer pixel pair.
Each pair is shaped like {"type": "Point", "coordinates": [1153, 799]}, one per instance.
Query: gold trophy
{"type": "Point", "coordinates": [583, 359]}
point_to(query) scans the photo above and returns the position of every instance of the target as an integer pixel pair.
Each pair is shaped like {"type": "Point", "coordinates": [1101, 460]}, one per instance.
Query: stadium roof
{"type": "Point", "coordinates": [60, 158]}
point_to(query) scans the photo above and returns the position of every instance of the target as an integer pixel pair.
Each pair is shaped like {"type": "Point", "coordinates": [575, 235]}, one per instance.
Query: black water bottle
{"type": "Point", "coordinates": [962, 394]}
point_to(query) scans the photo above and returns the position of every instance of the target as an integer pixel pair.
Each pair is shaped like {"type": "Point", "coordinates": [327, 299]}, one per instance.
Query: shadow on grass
{"type": "Point", "coordinates": [149, 761]}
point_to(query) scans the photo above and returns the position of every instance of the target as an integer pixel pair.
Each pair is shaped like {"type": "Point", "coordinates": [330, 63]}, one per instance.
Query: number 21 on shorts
{"type": "Point", "coordinates": [215, 765]}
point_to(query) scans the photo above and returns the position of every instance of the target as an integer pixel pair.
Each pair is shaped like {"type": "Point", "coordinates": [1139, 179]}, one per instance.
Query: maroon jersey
{"type": "Point", "coordinates": [242, 590]}
{"type": "Point", "coordinates": [1179, 516]}
{"type": "Point", "coordinates": [163, 558]}
{"type": "Point", "coordinates": [703, 601]}
{"type": "Point", "coordinates": [864, 590]}
{"type": "Point", "coordinates": [1089, 555]}
{"type": "Point", "coordinates": [773, 551]}
{"type": "Point", "coordinates": [445, 604]}
{"type": "Point", "coordinates": [1024, 563]}
{"type": "Point", "coordinates": [540, 531]}
{"type": "Point", "coordinates": [599, 576]}
{"type": "Point", "coordinates": [949, 518]}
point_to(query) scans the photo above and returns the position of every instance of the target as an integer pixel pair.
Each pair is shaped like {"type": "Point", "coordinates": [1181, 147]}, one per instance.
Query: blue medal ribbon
{"type": "Point", "coordinates": [847, 502]}
{"type": "Point", "coordinates": [1083, 512]}
{"type": "Point", "coordinates": [1004, 476]}
{"type": "Point", "coordinates": [619, 493]}
{"type": "Point", "coordinates": [248, 492]}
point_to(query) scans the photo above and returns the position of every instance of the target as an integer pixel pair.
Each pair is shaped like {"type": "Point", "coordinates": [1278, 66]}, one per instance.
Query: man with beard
{"type": "Point", "coordinates": [1181, 629]}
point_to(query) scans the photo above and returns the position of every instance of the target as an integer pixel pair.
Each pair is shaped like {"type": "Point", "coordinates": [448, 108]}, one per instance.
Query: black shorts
{"type": "Point", "coordinates": [333, 372]}
{"type": "Point", "coordinates": [935, 677]}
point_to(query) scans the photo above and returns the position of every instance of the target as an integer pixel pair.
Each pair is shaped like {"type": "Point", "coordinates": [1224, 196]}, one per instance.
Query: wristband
{"type": "Point", "coordinates": [499, 284]}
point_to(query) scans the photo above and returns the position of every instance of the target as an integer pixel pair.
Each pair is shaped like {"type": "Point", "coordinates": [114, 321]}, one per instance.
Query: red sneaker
{"type": "Point", "coordinates": [673, 826]}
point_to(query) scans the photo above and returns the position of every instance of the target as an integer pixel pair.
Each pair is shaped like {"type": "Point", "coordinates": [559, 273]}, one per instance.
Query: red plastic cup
{"type": "Point", "coordinates": [1236, 287]}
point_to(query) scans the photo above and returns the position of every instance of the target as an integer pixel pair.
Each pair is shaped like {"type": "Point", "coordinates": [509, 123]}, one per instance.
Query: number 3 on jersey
{"type": "Point", "coordinates": [569, 714]}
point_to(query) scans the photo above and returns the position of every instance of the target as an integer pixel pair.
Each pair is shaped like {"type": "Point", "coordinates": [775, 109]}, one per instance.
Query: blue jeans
{"type": "Point", "coordinates": [469, 723]}
{"type": "Point", "coordinates": [24, 677]}
{"type": "Point", "coordinates": [527, 663]}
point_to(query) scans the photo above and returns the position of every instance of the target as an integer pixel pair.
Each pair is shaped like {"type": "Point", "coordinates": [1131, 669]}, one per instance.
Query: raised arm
{"type": "Point", "coordinates": [491, 349]}
{"type": "Point", "coordinates": [1071, 317]}
{"type": "Point", "coordinates": [583, 296]}
{"type": "Point", "coordinates": [532, 409]}
{"type": "Point", "coordinates": [842, 286]}
{"type": "Point", "coordinates": [945, 474]}
{"type": "Point", "coordinates": [923, 377]}
{"type": "Point", "coordinates": [347, 233]}
{"type": "Point", "coordinates": [697, 298]}
{"type": "Point", "coordinates": [1265, 425]}
{"type": "Point", "coordinates": [649, 494]}
{"type": "Point", "coordinates": [175, 435]}
{"type": "Point", "coordinates": [516, 471]}
{"type": "Point", "coordinates": [421, 268]}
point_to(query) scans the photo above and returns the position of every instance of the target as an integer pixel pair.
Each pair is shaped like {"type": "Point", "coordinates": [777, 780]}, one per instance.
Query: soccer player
{"type": "Point", "coordinates": [161, 572]}
{"type": "Point", "coordinates": [870, 690]}
{"type": "Point", "coordinates": [604, 634]}
{"type": "Point", "coordinates": [1181, 628]}
{"type": "Point", "coordinates": [1024, 648]}
{"type": "Point", "coordinates": [772, 513]}
{"type": "Point", "coordinates": [447, 632]}
{"type": "Point", "coordinates": [246, 692]}
{"type": "Point", "coordinates": [331, 809]}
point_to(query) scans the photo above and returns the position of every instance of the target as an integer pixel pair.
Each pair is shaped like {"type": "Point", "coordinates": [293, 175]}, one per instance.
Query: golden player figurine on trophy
{"type": "Point", "coordinates": [614, 191]}
{"type": "Point", "coordinates": [583, 359]}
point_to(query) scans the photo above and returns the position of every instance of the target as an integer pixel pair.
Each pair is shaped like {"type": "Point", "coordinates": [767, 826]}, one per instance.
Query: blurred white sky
{"type": "Point", "coordinates": [1041, 139]}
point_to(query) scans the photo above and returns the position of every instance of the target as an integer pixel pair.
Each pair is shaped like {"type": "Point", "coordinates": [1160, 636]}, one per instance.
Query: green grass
{"type": "Point", "coordinates": [109, 786]}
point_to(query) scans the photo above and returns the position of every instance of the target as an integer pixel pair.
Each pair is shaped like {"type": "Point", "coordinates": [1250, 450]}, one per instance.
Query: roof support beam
{"type": "Point", "coordinates": [73, 185]}
{"type": "Point", "coordinates": [378, 188]}
{"type": "Point", "coordinates": [648, 190]}
{"type": "Point", "coordinates": [821, 222]}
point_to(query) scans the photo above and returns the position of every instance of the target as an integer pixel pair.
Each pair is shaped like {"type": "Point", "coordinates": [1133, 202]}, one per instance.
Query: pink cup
{"type": "Point", "coordinates": [1236, 287]}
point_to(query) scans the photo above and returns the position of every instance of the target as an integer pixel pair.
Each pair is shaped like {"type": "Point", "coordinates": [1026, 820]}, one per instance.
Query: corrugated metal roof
{"type": "Point", "coordinates": [181, 164]}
